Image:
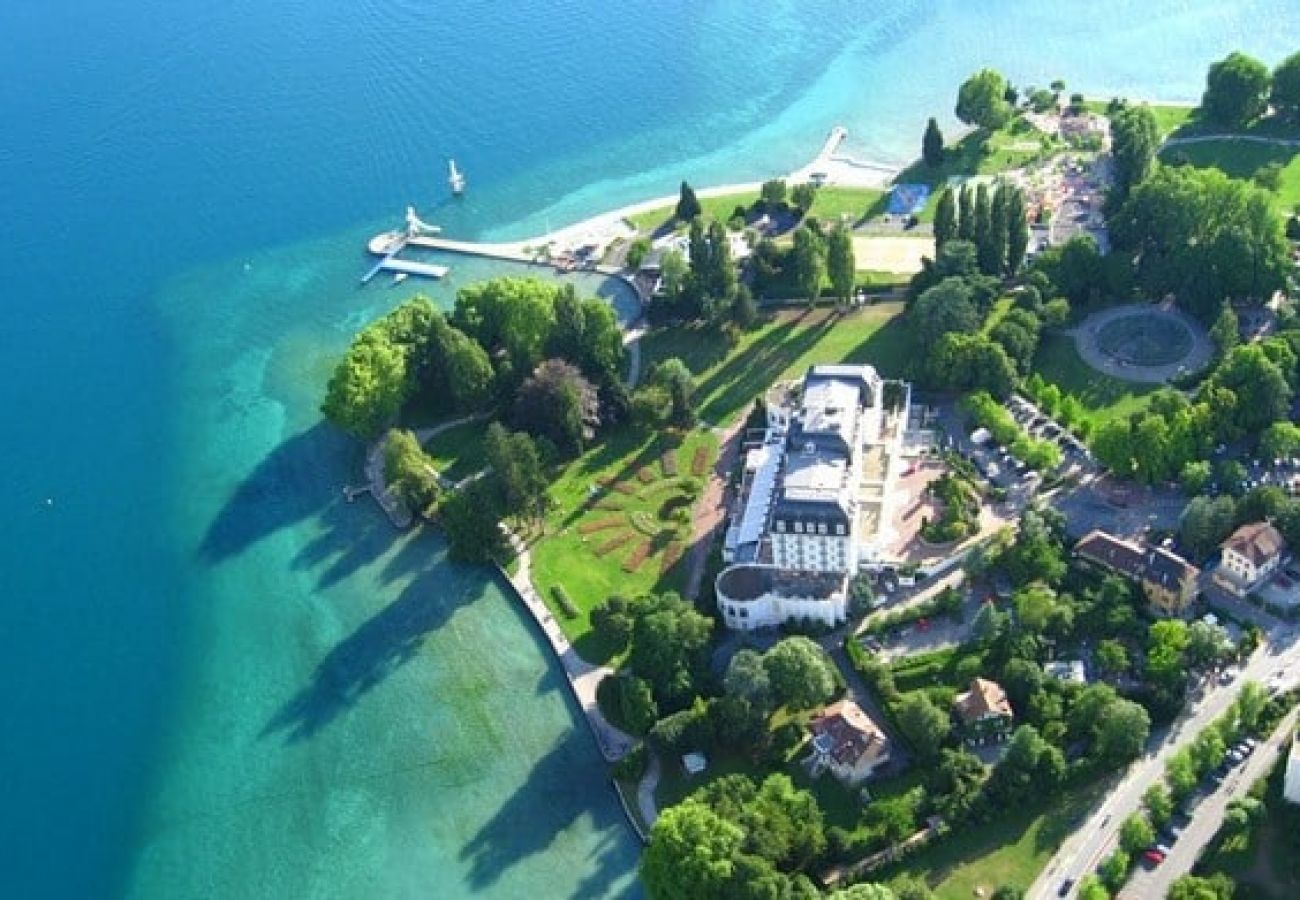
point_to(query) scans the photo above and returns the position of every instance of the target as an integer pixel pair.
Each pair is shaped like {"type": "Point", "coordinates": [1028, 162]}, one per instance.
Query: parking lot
{"type": "Point", "coordinates": [1282, 591]}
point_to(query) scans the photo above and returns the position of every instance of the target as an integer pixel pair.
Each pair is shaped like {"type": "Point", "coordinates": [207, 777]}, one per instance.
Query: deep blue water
{"type": "Point", "coordinates": [221, 681]}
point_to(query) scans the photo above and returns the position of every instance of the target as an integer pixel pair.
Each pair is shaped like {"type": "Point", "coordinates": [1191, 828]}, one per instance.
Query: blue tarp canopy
{"type": "Point", "coordinates": [908, 199]}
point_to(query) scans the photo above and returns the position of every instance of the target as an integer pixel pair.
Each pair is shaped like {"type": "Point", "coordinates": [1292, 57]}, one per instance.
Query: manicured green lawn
{"type": "Point", "coordinates": [719, 208]}
{"type": "Point", "coordinates": [614, 527]}
{"type": "Point", "coordinates": [1103, 397]}
{"type": "Point", "coordinates": [1170, 117]}
{"type": "Point", "coordinates": [1242, 159]}
{"type": "Point", "coordinates": [1011, 850]}
{"type": "Point", "coordinates": [855, 204]}
{"type": "Point", "coordinates": [730, 376]}
{"type": "Point", "coordinates": [458, 452]}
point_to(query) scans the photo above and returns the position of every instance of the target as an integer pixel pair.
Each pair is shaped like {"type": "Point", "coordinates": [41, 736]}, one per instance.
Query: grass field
{"type": "Point", "coordinates": [617, 524]}
{"type": "Point", "coordinates": [730, 377]}
{"type": "Point", "coordinates": [1243, 159]}
{"type": "Point", "coordinates": [458, 452]}
{"type": "Point", "coordinates": [1011, 850]}
{"type": "Point", "coordinates": [1103, 397]}
{"type": "Point", "coordinates": [829, 205]}
{"type": "Point", "coordinates": [1170, 117]}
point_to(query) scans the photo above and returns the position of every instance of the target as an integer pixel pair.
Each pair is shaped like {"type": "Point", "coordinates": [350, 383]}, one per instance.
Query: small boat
{"type": "Point", "coordinates": [455, 178]}
{"type": "Point", "coordinates": [399, 278]}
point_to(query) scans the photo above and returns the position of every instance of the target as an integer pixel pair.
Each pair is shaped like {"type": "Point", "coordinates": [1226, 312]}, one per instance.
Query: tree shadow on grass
{"type": "Point", "coordinates": [548, 803]}
{"type": "Point", "coordinates": [365, 658]}
{"type": "Point", "coordinates": [287, 486]}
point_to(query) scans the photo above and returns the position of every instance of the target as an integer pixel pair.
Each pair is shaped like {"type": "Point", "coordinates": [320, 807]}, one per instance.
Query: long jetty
{"type": "Point", "coordinates": [387, 246]}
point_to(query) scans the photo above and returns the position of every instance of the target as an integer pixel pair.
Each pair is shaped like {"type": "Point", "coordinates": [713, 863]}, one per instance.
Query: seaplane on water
{"type": "Point", "coordinates": [455, 178]}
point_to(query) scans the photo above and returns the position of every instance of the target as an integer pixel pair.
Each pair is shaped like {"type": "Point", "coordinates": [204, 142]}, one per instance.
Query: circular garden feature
{"type": "Point", "coordinates": [1145, 338]}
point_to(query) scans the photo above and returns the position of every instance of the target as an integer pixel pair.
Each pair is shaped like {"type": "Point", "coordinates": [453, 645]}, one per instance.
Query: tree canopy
{"type": "Point", "coordinates": [982, 102]}
{"type": "Point", "coordinates": [1236, 90]}
{"type": "Point", "coordinates": [1286, 87]}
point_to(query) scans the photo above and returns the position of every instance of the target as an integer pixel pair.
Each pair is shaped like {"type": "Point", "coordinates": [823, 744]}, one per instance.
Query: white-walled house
{"type": "Point", "coordinates": [1252, 553]}
{"type": "Point", "coordinates": [848, 742]}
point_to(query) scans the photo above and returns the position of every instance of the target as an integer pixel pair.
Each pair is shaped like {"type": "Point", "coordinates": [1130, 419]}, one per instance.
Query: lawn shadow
{"type": "Point", "coordinates": [364, 659]}
{"type": "Point", "coordinates": [531, 820]}
{"type": "Point", "coordinates": [285, 488]}
{"type": "Point", "coordinates": [892, 349]}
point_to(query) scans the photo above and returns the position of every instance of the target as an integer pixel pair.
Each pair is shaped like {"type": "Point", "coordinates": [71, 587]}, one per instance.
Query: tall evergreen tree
{"type": "Point", "coordinates": [932, 145]}
{"type": "Point", "coordinates": [995, 246]}
{"type": "Point", "coordinates": [966, 216]}
{"type": "Point", "coordinates": [981, 228]}
{"type": "Point", "coordinates": [1017, 230]}
{"type": "Point", "coordinates": [1135, 137]}
{"type": "Point", "coordinates": [688, 205]}
{"type": "Point", "coordinates": [809, 263]}
{"type": "Point", "coordinates": [840, 264]}
{"type": "Point", "coordinates": [945, 219]}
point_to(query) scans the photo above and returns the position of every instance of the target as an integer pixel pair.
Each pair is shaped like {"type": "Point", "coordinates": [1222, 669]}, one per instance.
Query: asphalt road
{"type": "Point", "coordinates": [1099, 835]}
{"type": "Point", "coordinates": [1152, 882]}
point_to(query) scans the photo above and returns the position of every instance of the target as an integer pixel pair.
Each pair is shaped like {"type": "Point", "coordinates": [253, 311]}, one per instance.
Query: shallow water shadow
{"type": "Point", "coordinates": [290, 484]}
{"type": "Point", "coordinates": [355, 535]}
{"type": "Point", "coordinates": [546, 804]}
{"type": "Point", "coordinates": [370, 654]}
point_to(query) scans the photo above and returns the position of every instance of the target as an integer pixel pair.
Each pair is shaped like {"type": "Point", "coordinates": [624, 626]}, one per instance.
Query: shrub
{"type": "Point", "coordinates": [632, 766]}
{"type": "Point", "coordinates": [563, 601]}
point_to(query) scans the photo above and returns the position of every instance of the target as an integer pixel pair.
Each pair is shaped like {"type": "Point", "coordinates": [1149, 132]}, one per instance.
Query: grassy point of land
{"type": "Point", "coordinates": [719, 208]}
{"type": "Point", "coordinates": [1011, 850]}
{"type": "Point", "coordinates": [1102, 396]}
{"type": "Point", "coordinates": [829, 205]}
{"type": "Point", "coordinates": [1170, 117]}
{"type": "Point", "coordinates": [729, 377]}
{"type": "Point", "coordinates": [458, 452]}
{"type": "Point", "coordinates": [617, 524]}
{"type": "Point", "coordinates": [1243, 159]}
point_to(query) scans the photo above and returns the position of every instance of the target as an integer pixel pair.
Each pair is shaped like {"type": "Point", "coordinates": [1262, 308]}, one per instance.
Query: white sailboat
{"type": "Point", "coordinates": [455, 178]}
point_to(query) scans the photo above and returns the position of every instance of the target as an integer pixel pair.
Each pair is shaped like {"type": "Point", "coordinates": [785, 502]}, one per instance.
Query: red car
{"type": "Point", "coordinates": [1153, 856]}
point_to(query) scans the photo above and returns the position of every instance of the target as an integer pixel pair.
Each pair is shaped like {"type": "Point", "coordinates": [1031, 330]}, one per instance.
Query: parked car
{"type": "Point", "coordinates": [1153, 856]}
{"type": "Point", "coordinates": [1066, 886]}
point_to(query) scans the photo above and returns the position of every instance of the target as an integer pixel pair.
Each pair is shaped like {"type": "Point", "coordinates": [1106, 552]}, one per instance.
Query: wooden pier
{"type": "Point", "coordinates": [387, 246]}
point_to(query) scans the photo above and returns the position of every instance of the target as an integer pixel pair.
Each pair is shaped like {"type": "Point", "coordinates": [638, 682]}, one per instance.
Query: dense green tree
{"type": "Point", "coordinates": [674, 378]}
{"type": "Point", "coordinates": [557, 403]}
{"type": "Point", "coordinates": [1205, 523]}
{"type": "Point", "coordinates": [1166, 646]}
{"type": "Point", "coordinates": [966, 215]}
{"type": "Point", "coordinates": [1250, 705]}
{"type": "Point", "coordinates": [466, 369]}
{"type": "Point", "coordinates": [744, 311]}
{"type": "Point", "coordinates": [669, 647]}
{"type": "Point", "coordinates": [1135, 138]}
{"type": "Point", "coordinates": [1030, 767]}
{"type": "Point", "coordinates": [809, 260]}
{"type": "Point", "coordinates": [773, 193]}
{"type": "Point", "coordinates": [958, 780]}
{"type": "Point", "coordinates": [1195, 477]}
{"type": "Point", "coordinates": [1259, 385]}
{"type": "Point", "coordinates": [923, 724]}
{"type": "Point", "coordinates": [517, 466]}
{"type": "Point", "coordinates": [1286, 87]}
{"type": "Point", "coordinates": [1158, 803]}
{"type": "Point", "coordinates": [943, 308]}
{"type": "Point", "coordinates": [993, 245]}
{"type": "Point", "coordinates": [840, 264]}
{"type": "Point", "coordinates": [470, 519]}
{"type": "Point", "coordinates": [1225, 332]}
{"type": "Point", "coordinates": [1112, 658]}
{"type": "Point", "coordinates": [970, 362]}
{"type": "Point", "coordinates": [612, 622]}
{"type": "Point", "coordinates": [945, 218]}
{"type": "Point", "coordinates": [688, 205]}
{"type": "Point", "coordinates": [800, 673]}
{"type": "Point", "coordinates": [673, 269]}
{"type": "Point", "coordinates": [1136, 833]}
{"type": "Point", "coordinates": [865, 891]}
{"type": "Point", "coordinates": [1207, 644]}
{"type": "Point", "coordinates": [1203, 237]}
{"type": "Point", "coordinates": [982, 232]}
{"type": "Point", "coordinates": [1017, 230]}
{"type": "Point", "coordinates": [1037, 553]}
{"type": "Point", "coordinates": [409, 472]}
{"type": "Point", "coordinates": [368, 387]}
{"type": "Point", "coordinates": [1195, 887]}
{"type": "Point", "coordinates": [1091, 888]}
{"type": "Point", "coordinates": [1236, 90]}
{"type": "Point", "coordinates": [1075, 269]}
{"type": "Point", "coordinates": [748, 679]}
{"type": "Point", "coordinates": [802, 196]}
{"type": "Point", "coordinates": [932, 144]}
{"type": "Point", "coordinates": [981, 101]}
{"type": "Point", "coordinates": [1017, 332]}
{"type": "Point", "coordinates": [1114, 869]}
{"type": "Point", "coordinates": [630, 702]}
{"type": "Point", "coordinates": [511, 317]}
{"type": "Point", "coordinates": [914, 887]}
{"type": "Point", "coordinates": [691, 853]}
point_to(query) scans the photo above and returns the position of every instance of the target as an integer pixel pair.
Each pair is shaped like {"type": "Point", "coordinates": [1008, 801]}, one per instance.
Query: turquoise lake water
{"type": "Point", "coordinates": [222, 681]}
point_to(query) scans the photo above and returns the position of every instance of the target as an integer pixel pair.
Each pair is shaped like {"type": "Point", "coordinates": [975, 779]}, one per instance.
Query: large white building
{"type": "Point", "coordinates": [795, 537]}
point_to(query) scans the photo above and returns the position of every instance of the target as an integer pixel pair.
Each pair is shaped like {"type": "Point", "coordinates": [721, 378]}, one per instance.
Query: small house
{"type": "Point", "coordinates": [984, 711]}
{"type": "Point", "coordinates": [1168, 580]}
{"type": "Point", "coordinates": [1252, 553]}
{"type": "Point", "coordinates": [848, 742]}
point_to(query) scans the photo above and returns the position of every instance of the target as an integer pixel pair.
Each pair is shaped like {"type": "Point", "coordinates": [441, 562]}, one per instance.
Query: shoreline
{"type": "Point", "coordinates": [836, 170]}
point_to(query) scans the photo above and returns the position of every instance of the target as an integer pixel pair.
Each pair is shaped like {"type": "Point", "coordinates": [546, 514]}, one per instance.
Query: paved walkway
{"type": "Point", "coordinates": [1247, 138]}
{"type": "Point", "coordinates": [1085, 340]}
{"type": "Point", "coordinates": [711, 509]}
{"type": "Point", "coordinates": [583, 677]}
{"type": "Point", "coordinates": [645, 791]}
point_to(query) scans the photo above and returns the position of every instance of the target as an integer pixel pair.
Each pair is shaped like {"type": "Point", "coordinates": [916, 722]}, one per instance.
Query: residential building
{"type": "Point", "coordinates": [796, 535]}
{"type": "Point", "coordinates": [847, 742]}
{"type": "Point", "coordinates": [1066, 670]}
{"type": "Point", "coordinates": [1250, 555]}
{"type": "Point", "coordinates": [984, 711]}
{"type": "Point", "coordinates": [1168, 580]}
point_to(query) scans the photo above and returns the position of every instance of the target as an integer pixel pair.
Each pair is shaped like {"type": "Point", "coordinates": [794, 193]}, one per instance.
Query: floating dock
{"type": "Point", "coordinates": [387, 246]}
